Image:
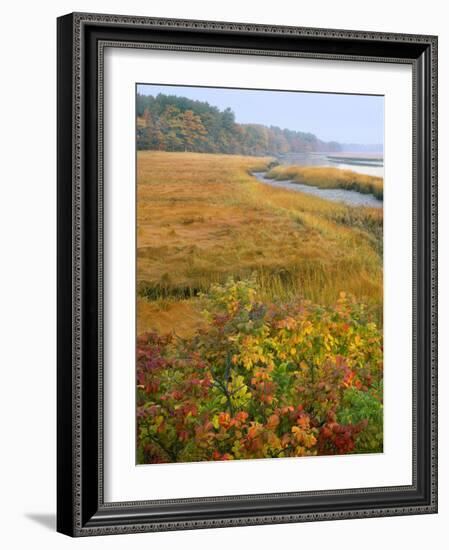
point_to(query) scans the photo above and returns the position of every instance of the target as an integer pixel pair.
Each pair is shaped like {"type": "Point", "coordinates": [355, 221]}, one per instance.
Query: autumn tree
{"type": "Point", "coordinates": [191, 130]}
{"type": "Point", "coordinates": [171, 124]}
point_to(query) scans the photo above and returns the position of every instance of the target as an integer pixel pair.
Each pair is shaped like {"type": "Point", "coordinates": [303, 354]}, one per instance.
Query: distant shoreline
{"type": "Point", "coordinates": [358, 160]}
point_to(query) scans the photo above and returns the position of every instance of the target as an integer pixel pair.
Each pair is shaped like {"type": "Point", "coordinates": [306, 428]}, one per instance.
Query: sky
{"type": "Point", "coordinates": [345, 118]}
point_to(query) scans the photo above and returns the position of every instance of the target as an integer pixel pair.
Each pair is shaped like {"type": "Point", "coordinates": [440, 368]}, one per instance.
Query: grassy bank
{"type": "Point", "coordinates": [329, 178]}
{"type": "Point", "coordinates": [202, 218]}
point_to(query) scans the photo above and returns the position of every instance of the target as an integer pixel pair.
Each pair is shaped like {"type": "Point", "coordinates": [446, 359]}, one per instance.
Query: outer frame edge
{"type": "Point", "coordinates": [79, 19]}
{"type": "Point", "coordinates": [65, 440]}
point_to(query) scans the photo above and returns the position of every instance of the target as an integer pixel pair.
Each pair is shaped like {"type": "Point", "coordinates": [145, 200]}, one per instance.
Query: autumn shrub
{"type": "Point", "coordinates": [261, 380]}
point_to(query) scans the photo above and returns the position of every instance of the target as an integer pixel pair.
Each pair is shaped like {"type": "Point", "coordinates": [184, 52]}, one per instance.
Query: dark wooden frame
{"type": "Point", "coordinates": [81, 509]}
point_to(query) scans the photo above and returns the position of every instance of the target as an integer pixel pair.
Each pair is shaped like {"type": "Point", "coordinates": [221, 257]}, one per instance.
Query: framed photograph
{"type": "Point", "coordinates": [247, 280]}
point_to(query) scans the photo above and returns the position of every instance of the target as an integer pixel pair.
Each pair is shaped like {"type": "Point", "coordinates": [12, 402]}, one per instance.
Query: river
{"type": "Point", "coordinates": [352, 198]}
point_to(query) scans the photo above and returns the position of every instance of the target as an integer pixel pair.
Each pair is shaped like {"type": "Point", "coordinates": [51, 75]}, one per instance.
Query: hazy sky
{"type": "Point", "coordinates": [331, 117]}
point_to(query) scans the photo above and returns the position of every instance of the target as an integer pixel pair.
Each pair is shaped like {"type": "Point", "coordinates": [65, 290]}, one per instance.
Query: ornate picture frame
{"type": "Point", "coordinates": [81, 507]}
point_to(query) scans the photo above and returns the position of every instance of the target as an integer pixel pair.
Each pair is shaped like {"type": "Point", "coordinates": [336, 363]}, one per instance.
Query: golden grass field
{"type": "Point", "coordinates": [202, 218]}
{"type": "Point", "coordinates": [328, 177]}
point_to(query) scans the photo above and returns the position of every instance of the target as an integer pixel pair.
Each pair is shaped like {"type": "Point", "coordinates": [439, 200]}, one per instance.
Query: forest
{"type": "Point", "coordinates": [172, 123]}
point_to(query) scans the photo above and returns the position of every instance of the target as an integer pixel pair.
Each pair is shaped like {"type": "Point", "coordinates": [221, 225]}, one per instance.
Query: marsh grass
{"type": "Point", "coordinates": [202, 218]}
{"type": "Point", "coordinates": [329, 178]}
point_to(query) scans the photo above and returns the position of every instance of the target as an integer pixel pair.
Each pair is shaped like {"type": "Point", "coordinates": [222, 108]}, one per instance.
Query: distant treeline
{"type": "Point", "coordinates": [172, 123]}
